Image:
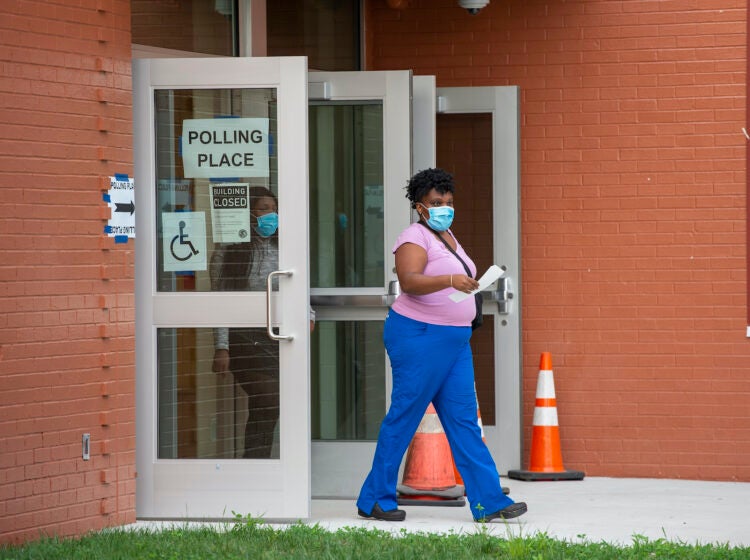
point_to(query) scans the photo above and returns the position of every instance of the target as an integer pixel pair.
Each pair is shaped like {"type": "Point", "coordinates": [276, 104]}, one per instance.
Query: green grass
{"type": "Point", "coordinates": [250, 538]}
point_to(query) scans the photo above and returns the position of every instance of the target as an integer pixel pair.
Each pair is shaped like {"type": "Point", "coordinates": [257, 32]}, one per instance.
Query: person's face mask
{"type": "Point", "coordinates": [267, 224]}
{"type": "Point", "coordinates": [440, 218]}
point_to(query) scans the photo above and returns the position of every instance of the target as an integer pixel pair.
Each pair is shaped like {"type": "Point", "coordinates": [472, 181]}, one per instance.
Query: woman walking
{"type": "Point", "coordinates": [427, 338]}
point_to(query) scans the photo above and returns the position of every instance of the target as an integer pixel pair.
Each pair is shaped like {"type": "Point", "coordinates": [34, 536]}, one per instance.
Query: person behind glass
{"type": "Point", "coordinates": [427, 338]}
{"type": "Point", "coordinates": [248, 353]}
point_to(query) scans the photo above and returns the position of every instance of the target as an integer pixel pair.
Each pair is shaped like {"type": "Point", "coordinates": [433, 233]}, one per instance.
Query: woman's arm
{"type": "Point", "coordinates": [411, 260]}
{"type": "Point", "coordinates": [221, 360]}
{"type": "Point", "coordinates": [221, 350]}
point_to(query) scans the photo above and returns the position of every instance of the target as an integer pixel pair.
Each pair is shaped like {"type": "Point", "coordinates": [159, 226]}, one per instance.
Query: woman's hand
{"type": "Point", "coordinates": [221, 361]}
{"type": "Point", "coordinates": [463, 283]}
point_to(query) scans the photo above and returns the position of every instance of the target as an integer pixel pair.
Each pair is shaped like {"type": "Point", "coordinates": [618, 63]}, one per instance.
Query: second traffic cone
{"type": "Point", "coordinates": [428, 472]}
{"type": "Point", "coordinates": [546, 458]}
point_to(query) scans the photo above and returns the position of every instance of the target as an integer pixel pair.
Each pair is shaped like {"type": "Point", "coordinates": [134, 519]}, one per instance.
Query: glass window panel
{"type": "Point", "coordinates": [326, 31]}
{"type": "Point", "coordinates": [217, 174]}
{"type": "Point", "coordinates": [186, 25]}
{"type": "Point", "coordinates": [346, 195]}
{"type": "Point", "coordinates": [203, 414]}
{"type": "Point", "coordinates": [348, 384]}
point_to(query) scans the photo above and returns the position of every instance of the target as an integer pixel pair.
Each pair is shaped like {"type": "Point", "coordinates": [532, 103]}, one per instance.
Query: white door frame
{"type": "Point", "coordinates": [502, 102]}
{"type": "Point", "coordinates": [197, 488]}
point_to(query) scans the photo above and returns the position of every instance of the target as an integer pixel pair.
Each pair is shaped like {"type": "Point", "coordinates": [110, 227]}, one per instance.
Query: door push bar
{"type": "Point", "coordinates": [502, 295]}
{"type": "Point", "coordinates": [358, 300]}
{"type": "Point", "coordinates": [269, 321]}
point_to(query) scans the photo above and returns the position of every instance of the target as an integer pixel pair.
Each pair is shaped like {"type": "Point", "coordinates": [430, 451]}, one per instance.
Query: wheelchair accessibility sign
{"type": "Point", "coordinates": [184, 241]}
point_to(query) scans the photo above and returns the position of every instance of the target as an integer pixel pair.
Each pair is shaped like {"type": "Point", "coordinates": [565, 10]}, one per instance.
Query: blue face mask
{"type": "Point", "coordinates": [267, 224]}
{"type": "Point", "coordinates": [441, 217]}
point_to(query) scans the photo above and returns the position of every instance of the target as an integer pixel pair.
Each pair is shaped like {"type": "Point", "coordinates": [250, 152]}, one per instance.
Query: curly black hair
{"type": "Point", "coordinates": [426, 180]}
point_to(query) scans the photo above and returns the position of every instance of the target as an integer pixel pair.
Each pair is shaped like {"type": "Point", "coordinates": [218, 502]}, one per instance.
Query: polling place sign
{"type": "Point", "coordinates": [225, 147]}
{"type": "Point", "coordinates": [121, 202]}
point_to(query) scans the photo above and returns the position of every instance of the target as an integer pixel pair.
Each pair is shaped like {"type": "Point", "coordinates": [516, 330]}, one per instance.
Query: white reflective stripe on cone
{"type": "Point", "coordinates": [545, 416]}
{"type": "Point", "coordinates": [545, 385]}
{"type": "Point", "coordinates": [430, 424]}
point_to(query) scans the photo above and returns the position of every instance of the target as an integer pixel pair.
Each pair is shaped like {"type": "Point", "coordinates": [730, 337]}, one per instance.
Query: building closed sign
{"type": "Point", "coordinates": [230, 212]}
{"type": "Point", "coordinates": [225, 147]}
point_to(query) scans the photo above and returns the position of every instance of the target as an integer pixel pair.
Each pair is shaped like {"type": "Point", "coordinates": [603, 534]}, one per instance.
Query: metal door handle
{"type": "Point", "coordinates": [502, 295]}
{"type": "Point", "coordinates": [394, 290]}
{"type": "Point", "coordinates": [269, 322]}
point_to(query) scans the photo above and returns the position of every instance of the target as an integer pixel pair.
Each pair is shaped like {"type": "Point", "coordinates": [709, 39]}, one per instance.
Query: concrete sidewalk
{"type": "Point", "coordinates": [594, 509]}
{"type": "Point", "coordinates": [613, 510]}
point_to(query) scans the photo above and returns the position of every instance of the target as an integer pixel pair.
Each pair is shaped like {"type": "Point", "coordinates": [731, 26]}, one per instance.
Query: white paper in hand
{"type": "Point", "coordinates": [493, 273]}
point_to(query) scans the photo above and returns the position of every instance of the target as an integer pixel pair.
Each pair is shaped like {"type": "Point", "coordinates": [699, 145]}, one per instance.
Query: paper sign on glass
{"type": "Point", "coordinates": [225, 147]}
{"type": "Point", "coordinates": [230, 212]}
{"type": "Point", "coordinates": [488, 278]}
{"type": "Point", "coordinates": [184, 245]}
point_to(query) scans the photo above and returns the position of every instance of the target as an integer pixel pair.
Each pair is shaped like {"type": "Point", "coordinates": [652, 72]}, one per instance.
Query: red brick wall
{"type": "Point", "coordinates": [66, 290]}
{"type": "Point", "coordinates": [633, 213]}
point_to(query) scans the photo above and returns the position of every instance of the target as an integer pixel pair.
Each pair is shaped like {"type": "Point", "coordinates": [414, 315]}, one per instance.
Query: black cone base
{"type": "Point", "coordinates": [430, 501]}
{"type": "Point", "coordinates": [533, 475]}
{"type": "Point", "coordinates": [447, 497]}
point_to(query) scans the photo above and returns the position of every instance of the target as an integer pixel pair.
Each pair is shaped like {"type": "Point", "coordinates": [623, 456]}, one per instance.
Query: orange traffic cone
{"type": "Point", "coordinates": [546, 458]}
{"type": "Point", "coordinates": [457, 474]}
{"type": "Point", "coordinates": [428, 472]}
{"type": "Point", "coordinates": [459, 479]}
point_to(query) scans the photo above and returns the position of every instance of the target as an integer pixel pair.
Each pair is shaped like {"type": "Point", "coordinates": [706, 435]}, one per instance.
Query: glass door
{"type": "Point", "coordinates": [222, 290]}
{"type": "Point", "coordinates": [360, 161]}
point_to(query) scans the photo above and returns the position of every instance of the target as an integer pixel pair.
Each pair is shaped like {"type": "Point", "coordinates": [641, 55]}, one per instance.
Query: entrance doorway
{"type": "Point", "coordinates": [335, 151]}
{"type": "Point", "coordinates": [209, 134]}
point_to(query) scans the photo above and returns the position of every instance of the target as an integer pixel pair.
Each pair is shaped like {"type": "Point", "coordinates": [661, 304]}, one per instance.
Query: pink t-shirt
{"type": "Point", "coordinates": [436, 308]}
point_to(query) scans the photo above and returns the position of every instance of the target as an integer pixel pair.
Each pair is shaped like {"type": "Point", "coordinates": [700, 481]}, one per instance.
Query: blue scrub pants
{"type": "Point", "coordinates": [432, 363]}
